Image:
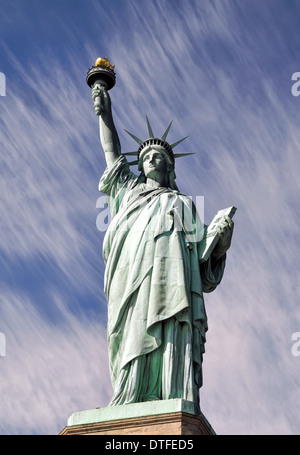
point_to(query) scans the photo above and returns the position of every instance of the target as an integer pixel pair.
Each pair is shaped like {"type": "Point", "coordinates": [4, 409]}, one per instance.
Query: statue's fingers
{"type": "Point", "coordinates": [231, 225]}
{"type": "Point", "coordinates": [96, 91]}
{"type": "Point", "coordinates": [222, 224]}
{"type": "Point", "coordinates": [229, 221]}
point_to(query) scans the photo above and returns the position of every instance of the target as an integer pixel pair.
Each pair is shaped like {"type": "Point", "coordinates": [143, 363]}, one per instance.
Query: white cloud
{"type": "Point", "coordinates": [49, 371]}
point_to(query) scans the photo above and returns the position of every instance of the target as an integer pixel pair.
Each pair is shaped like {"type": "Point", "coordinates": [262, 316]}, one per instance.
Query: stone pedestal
{"type": "Point", "coordinates": [166, 417]}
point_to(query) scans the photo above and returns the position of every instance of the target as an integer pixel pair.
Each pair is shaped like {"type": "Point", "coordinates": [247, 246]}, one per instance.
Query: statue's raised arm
{"type": "Point", "coordinates": [108, 134]}
{"type": "Point", "coordinates": [101, 78]}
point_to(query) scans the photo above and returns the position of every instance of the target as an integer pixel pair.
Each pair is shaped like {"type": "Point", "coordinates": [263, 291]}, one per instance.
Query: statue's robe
{"type": "Point", "coordinates": [154, 285]}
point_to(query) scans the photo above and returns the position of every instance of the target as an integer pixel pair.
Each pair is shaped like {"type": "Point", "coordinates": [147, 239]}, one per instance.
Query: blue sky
{"type": "Point", "coordinates": [221, 70]}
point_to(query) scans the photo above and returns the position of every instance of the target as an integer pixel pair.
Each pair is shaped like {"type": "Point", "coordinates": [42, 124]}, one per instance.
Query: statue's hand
{"type": "Point", "coordinates": [101, 99]}
{"type": "Point", "coordinates": [225, 230]}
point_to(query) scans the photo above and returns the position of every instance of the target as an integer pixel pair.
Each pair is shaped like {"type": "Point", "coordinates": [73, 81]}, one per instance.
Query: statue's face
{"type": "Point", "coordinates": [154, 162]}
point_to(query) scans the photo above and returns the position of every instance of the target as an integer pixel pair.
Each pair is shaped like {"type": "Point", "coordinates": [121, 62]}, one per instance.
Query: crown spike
{"type": "Point", "coordinates": [178, 142]}
{"type": "Point", "coordinates": [167, 131]}
{"type": "Point", "coordinates": [139, 141]}
{"type": "Point", "coordinates": [149, 128]}
{"type": "Point", "coordinates": [178, 155]}
{"type": "Point", "coordinates": [131, 153]}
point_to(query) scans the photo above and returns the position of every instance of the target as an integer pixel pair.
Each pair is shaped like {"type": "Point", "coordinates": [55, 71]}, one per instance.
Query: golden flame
{"type": "Point", "coordinates": [103, 61]}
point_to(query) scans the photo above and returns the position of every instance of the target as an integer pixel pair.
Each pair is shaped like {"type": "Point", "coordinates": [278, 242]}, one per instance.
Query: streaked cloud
{"type": "Point", "coordinates": [50, 369]}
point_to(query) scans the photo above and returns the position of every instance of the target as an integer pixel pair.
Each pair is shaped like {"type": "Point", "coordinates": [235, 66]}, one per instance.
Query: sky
{"type": "Point", "coordinates": [222, 71]}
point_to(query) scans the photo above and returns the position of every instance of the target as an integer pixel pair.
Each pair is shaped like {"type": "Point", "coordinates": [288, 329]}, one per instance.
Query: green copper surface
{"type": "Point", "coordinates": [154, 278]}
{"type": "Point", "coordinates": [135, 410]}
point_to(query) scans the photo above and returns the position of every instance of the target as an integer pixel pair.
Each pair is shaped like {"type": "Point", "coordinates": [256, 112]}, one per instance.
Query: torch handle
{"type": "Point", "coordinates": [97, 100]}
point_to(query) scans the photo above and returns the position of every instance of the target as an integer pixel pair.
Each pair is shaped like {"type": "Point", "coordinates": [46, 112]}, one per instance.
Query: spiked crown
{"type": "Point", "coordinates": [152, 140]}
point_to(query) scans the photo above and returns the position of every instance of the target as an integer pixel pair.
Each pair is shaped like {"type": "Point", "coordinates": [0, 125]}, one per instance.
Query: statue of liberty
{"type": "Point", "coordinates": [154, 279]}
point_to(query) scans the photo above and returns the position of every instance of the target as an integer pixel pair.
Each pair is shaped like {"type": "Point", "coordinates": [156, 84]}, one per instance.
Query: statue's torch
{"type": "Point", "coordinates": [102, 74]}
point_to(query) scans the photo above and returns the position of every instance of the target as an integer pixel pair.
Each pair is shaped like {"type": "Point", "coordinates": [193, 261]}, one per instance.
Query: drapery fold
{"type": "Point", "coordinates": [154, 286]}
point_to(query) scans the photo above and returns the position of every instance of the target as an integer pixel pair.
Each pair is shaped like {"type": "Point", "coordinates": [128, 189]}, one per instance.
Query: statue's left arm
{"type": "Point", "coordinates": [213, 269]}
{"type": "Point", "coordinates": [225, 235]}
